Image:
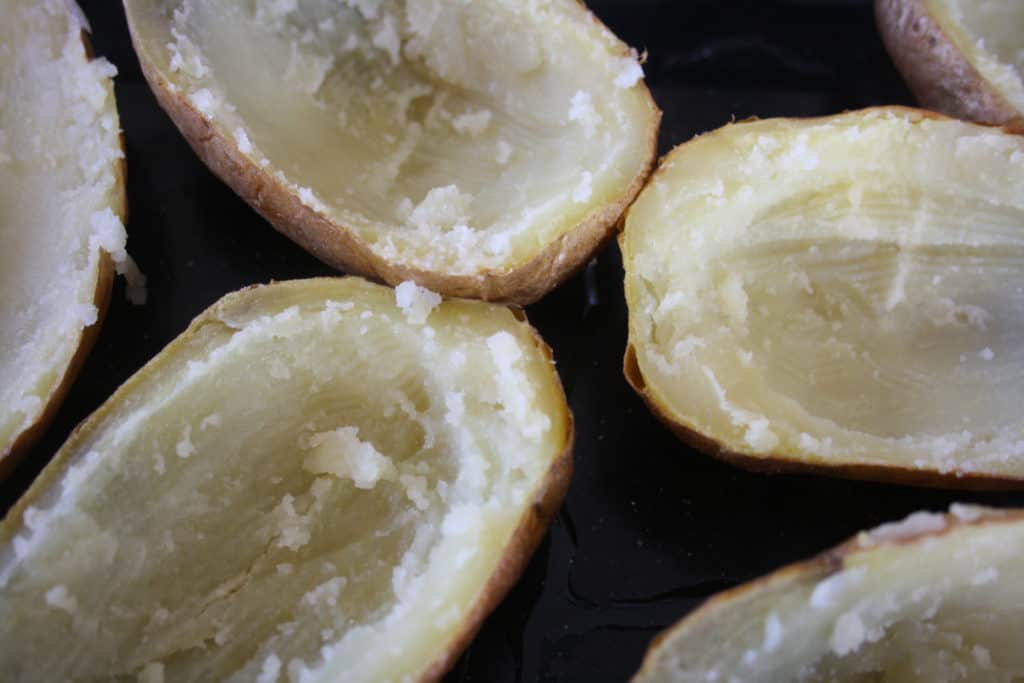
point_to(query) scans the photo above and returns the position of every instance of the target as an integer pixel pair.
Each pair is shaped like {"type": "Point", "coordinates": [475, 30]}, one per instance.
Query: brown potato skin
{"type": "Point", "coordinates": [341, 248]}
{"type": "Point", "coordinates": [938, 74]}
{"type": "Point", "coordinates": [786, 463]}
{"type": "Point", "coordinates": [23, 443]}
{"type": "Point", "coordinates": [814, 570]}
{"type": "Point", "coordinates": [530, 530]}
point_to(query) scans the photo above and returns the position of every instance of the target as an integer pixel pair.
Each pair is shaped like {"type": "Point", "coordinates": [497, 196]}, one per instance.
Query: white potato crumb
{"type": "Point", "coordinates": [442, 208]}
{"type": "Point", "coordinates": [985, 576]}
{"type": "Point", "coordinates": [416, 302]}
{"type": "Point", "coordinates": [916, 524]}
{"type": "Point", "coordinates": [185, 448]}
{"type": "Point", "coordinates": [828, 591]}
{"type": "Point", "coordinates": [581, 109]}
{"type": "Point", "coordinates": [326, 593]}
{"type": "Point", "coordinates": [211, 420]}
{"type": "Point", "coordinates": [243, 142]}
{"type": "Point", "coordinates": [966, 512]}
{"type": "Point", "coordinates": [986, 354]}
{"type": "Point", "coordinates": [849, 634]}
{"type": "Point", "coordinates": [270, 671]}
{"type": "Point", "coordinates": [584, 190]}
{"type": "Point", "coordinates": [504, 153]}
{"type": "Point", "coordinates": [386, 38]}
{"type": "Point", "coordinates": [342, 454]}
{"type": "Point", "coordinates": [772, 633]}
{"type": "Point", "coordinates": [982, 656]}
{"type": "Point", "coordinates": [759, 436]}
{"type": "Point", "coordinates": [293, 527]}
{"type": "Point", "coordinates": [60, 598]}
{"type": "Point", "coordinates": [472, 123]}
{"type": "Point", "coordinates": [628, 71]}
{"type": "Point", "coordinates": [204, 101]}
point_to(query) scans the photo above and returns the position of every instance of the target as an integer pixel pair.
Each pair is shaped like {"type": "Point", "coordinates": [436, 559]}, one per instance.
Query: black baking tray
{"type": "Point", "coordinates": [649, 528]}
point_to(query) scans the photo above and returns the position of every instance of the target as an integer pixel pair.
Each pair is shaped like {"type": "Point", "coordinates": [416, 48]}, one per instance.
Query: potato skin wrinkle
{"type": "Point", "coordinates": [482, 150]}
{"type": "Point", "coordinates": [62, 206]}
{"type": "Point", "coordinates": [319, 479]}
{"type": "Point", "coordinates": [946, 61]}
{"type": "Point", "coordinates": [931, 598]}
{"type": "Point", "coordinates": [830, 295]}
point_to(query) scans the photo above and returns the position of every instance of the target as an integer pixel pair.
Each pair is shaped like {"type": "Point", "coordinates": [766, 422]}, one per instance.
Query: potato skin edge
{"type": "Point", "coordinates": [340, 247]}
{"type": "Point", "coordinates": [23, 442]}
{"type": "Point", "coordinates": [814, 569]}
{"type": "Point", "coordinates": [937, 73]}
{"type": "Point", "coordinates": [784, 463]}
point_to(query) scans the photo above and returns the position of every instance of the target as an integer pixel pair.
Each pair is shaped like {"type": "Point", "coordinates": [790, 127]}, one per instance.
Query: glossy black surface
{"type": "Point", "coordinates": [649, 528]}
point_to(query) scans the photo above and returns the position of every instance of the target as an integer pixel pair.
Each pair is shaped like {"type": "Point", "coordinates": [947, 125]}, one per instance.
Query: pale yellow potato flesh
{"type": "Point", "coordinates": [61, 205]}
{"type": "Point", "coordinates": [935, 598]}
{"type": "Point", "coordinates": [448, 139]}
{"type": "Point", "coordinates": [845, 292]}
{"type": "Point", "coordinates": [990, 35]}
{"type": "Point", "coordinates": [310, 484]}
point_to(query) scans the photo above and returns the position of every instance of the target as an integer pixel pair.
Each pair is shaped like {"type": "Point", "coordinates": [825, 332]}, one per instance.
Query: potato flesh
{"type": "Point", "coordinates": [448, 136]}
{"type": "Point", "coordinates": [59, 196]}
{"type": "Point", "coordinates": [944, 608]}
{"type": "Point", "coordinates": [836, 291]}
{"type": "Point", "coordinates": [202, 538]}
{"type": "Point", "coordinates": [988, 32]}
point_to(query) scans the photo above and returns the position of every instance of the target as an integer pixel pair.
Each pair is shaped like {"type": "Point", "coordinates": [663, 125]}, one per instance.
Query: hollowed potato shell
{"type": "Point", "coordinates": [309, 482]}
{"type": "Point", "coordinates": [482, 149]}
{"type": "Point", "coordinates": [838, 295]}
{"type": "Point", "coordinates": [932, 598]}
{"type": "Point", "coordinates": [961, 57]}
{"type": "Point", "coordinates": [62, 203]}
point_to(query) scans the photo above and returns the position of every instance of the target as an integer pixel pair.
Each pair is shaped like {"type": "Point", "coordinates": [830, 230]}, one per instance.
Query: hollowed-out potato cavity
{"type": "Point", "coordinates": [988, 34]}
{"type": "Point", "coordinates": [451, 136]}
{"type": "Point", "coordinates": [849, 289]}
{"type": "Point", "coordinates": [893, 607]}
{"type": "Point", "coordinates": [306, 487]}
{"type": "Point", "coordinates": [61, 196]}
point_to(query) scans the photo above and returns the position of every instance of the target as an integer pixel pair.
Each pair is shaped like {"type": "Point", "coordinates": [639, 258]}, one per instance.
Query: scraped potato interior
{"type": "Point", "coordinates": [846, 289]}
{"type": "Point", "coordinates": [898, 608]}
{"type": "Point", "coordinates": [989, 34]}
{"type": "Point", "coordinates": [61, 197]}
{"type": "Point", "coordinates": [448, 136]}
{"type": "Point", "coordinates": [307, 484]}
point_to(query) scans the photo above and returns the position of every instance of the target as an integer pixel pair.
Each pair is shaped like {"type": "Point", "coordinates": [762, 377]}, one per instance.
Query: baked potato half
{"type": "Point", "coordinates": [932, 598]}
{"type": "Point", "coordinates": [62, 203]}
{"type": "Point", "coordinates": [839, 294]}
{"type": "Point", "coordinates": [964, 58]}
{"type": "Point", "coordinates": [320, 480]}
{"type": "Point", "coordinates": [481, 149]}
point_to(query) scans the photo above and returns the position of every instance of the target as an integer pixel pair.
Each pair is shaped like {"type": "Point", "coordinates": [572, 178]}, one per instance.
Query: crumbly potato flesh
{"type": "Point", "coordinates": [934, 598]}
{"type": "Point", "coordinates": [61, 199]}
{"type": "Point", "coordinates": [989, 35]}
{"type": "Point", "coordinates": [837, 291]}
{"type": "Point", "coordinates": [306, 486]}
{"type": "Point", "coordinates": [453, 137]}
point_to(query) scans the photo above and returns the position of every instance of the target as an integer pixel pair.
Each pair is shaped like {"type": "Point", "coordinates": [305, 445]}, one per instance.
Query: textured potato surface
{"type": "Point", "coordinates": [843, 291]}
{"type": "Point", "coordinates": [932, 598]}
{"type": "Point", "coordinates": [459, 138]}
{"type": "Point", "coordinates": [311, 484]}
{"type": "Point", "coordinates": [61, 202]}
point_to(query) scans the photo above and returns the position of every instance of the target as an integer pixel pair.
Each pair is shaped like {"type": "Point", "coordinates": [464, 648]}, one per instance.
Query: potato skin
{"type": "Point", "coordinates": [938, 74]}
{"type": "Point", "coordinates": [532, 526]}
{"type": "Point", "coordinates": [341, 248]}
{"type": "Point", "coordinates": [781, 462]}
{"type": "Point", "coordinates": [24, 441]}
{"type": "Point", "coordinates": [814, 570]}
